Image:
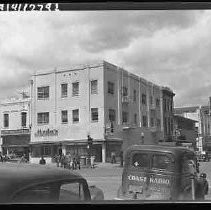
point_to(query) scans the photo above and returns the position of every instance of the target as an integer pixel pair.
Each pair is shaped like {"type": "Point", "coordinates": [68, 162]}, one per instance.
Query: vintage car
{"type": "Point", "coordinates": [155, 172]}
{"type": "Point", "coordinates": [33, 183]}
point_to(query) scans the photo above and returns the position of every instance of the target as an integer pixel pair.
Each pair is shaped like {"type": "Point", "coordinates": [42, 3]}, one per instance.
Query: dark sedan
{"type": "Point", "coordinates": [32, 183]}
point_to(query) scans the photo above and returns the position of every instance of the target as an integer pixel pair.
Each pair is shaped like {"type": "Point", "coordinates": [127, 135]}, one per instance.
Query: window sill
{"type": "Point", "coordinates": [64, 123]}
{"type": "Point", "coordinates": [95, 121]}
{"type": "Point", "coordinates": [43, 99]}
{"type": "Point", "coordinates": [40, 124]}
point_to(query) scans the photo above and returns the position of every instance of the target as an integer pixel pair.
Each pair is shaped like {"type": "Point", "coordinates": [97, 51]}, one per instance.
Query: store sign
{"type": "Point", "coordinates": [48, 132]}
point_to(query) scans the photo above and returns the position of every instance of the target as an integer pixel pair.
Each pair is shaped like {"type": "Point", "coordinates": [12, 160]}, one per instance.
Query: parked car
{"type": "Point", "coordinates": [155, 172]}
{"type": "Point", "coordinates": [33, 183]}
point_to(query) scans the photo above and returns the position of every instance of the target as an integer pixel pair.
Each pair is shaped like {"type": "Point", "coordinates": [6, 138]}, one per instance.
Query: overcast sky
{"type": "Point", "coordinates": [168, 47]}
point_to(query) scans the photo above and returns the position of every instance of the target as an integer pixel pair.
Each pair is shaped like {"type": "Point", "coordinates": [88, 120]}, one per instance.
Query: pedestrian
{"type": "Point", "coordinates": [74, 164]}
{"type": "Point", "coordinates": [23, 159]}
{"type": "Point", "coordinates": [57, 157]}
{"type": "Point", "coordinates": [78, 164]}
{"type": "Point", "coordinates": [202, 187]}
{"type": "Point", "coordinates": [62, 161]}
{"type": "Point", "coordinates": [113, 157]}
{"type": "Point", "coordinates": [121, 158]}
{"type": "Point", "coordinates": [42, 161]}
{"type": "Point", "coordinates": [1, 157]}
{"type": "Point", "coordinates": [92, 161]}
{"type": "Point", "coordinates": [68, 160]}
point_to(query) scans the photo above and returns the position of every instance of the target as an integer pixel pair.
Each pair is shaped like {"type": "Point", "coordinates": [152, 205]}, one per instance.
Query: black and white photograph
{"type": "Point", "coordinates": [104, 105]}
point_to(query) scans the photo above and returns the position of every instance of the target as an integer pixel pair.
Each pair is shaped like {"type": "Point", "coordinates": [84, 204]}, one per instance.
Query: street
{"type": "Point", "coordinates": [108, 178]}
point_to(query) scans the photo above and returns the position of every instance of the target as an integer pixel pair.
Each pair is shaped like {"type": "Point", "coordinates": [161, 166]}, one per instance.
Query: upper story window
{"type": "Point", "coordinates": [64, 116]}
{"type": "Point", "coordinates": [124, 117]}
{"type": "Point", "coordinates": [135, 119]}
{"type": "Point", "coordinates": [152, 122]}
{"type": "Point", "coordinates": [94, 113]}
{"type": "Point", "coordinates": [43, 92]}
{"type": "Point", "coordinates": [158, 123]}
{"type": "Point", "coordinates": [75, 87]}
{"type": "Point", "coordinates": [112, 115]}
{"type": "Point", "coordinates": [75, 115]}
{"type": "Point", "coordinates": [111, 87]}
{"type": "Point", "coordinates": [144, 118]}
{"type": "Point", "coordinates": [64, 90]}
{"type": "Point", "coordinates": [94, 88]}
{"type": "Point", "coordinates": [158, 102]}
{"type": "Point", "coordinates": [6, 120]}
{"type": "Point", "coordinates": [134, 95]}
{"type": "Point", "coordinates": [144, 99]}
{"type": "Point", "coordinates": [43, 118]}
{"type": "Point", "coordinates": [151, 100]}
{"type": "Point", "coordinates": [23, 119]}
{"type": "Point", "coordinates": [125, 91]}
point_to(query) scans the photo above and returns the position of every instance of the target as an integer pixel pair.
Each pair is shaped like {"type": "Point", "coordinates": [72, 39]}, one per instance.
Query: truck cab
{"type": "Point", "coordinates": [154, 172]}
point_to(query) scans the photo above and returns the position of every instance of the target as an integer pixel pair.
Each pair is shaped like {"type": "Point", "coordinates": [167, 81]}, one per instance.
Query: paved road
{"type": "Point", "coordinates": [107, 178]}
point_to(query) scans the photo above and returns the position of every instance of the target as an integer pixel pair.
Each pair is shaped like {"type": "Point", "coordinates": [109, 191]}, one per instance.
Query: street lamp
{"type": "Point", "coordinates": [142, 137]}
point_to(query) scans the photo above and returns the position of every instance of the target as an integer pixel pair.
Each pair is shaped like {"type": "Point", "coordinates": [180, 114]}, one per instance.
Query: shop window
{"type": "Point", "coordinates": [43, 92]}
{"type": "Point", "coordinates": [6, 120]}
{"type": "Point", "coordinates": [46, 150]}
{"type": "Point", "coordinates": [111, 87]}
{"type": "Point", "coordinates": [23, 119]}
{"type": "Point", "coordinates": [124, 117]}
{"type": "Point", "coordinates": [94, 87]}
{"type": "Point", "coordinates": [75, 115]}
{"type": "Point", "coordinates": [94, 114]}
{"type": "Point", "coordinates": [64, 90]}
{"type": "Point", "coordinates": [43, 118]}
{"type": "Point", "coordinates": [112, 115]}
{"type": "Point", "coordinates": [64, 116]}
{"type": "Point", "coordinates": [75, 90]}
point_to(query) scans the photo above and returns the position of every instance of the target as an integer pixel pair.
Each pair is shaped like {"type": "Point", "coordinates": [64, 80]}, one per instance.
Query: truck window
{"type": "Point", "coordinates": [162, 162]}
{"type": "Point", "coordinates": [140, 160]}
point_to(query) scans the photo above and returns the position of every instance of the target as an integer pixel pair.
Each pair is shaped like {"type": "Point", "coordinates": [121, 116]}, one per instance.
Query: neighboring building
{"type": "Point", "coordinates": [167, 113]}
{"type": "Point", "coordinates": [115, 107]}
{"type": "Point", "coordinates": [201, 114]}
{"type": "Point", "coordinates": [185, 131]}
{"type": "Point", "coordinates": [15, 126]}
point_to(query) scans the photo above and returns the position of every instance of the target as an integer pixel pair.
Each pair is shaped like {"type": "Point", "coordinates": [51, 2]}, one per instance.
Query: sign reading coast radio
{"type": "Point", "coordinates": [48, 132]}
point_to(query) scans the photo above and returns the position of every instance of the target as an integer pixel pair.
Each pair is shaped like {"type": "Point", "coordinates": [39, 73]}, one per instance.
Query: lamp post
{"type": "Point", "coordinates": [142, 137]}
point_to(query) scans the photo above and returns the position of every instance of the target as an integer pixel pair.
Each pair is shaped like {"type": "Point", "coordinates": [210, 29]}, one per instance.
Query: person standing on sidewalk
{"type": "Point", "coordinates": [113, 157]}
{"type": "Point", "coordinates": [121, 158]}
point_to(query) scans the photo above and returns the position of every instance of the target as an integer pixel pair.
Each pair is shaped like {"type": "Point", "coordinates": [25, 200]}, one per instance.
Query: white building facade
{"type": "Point", "coordinates": [113, 106]}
